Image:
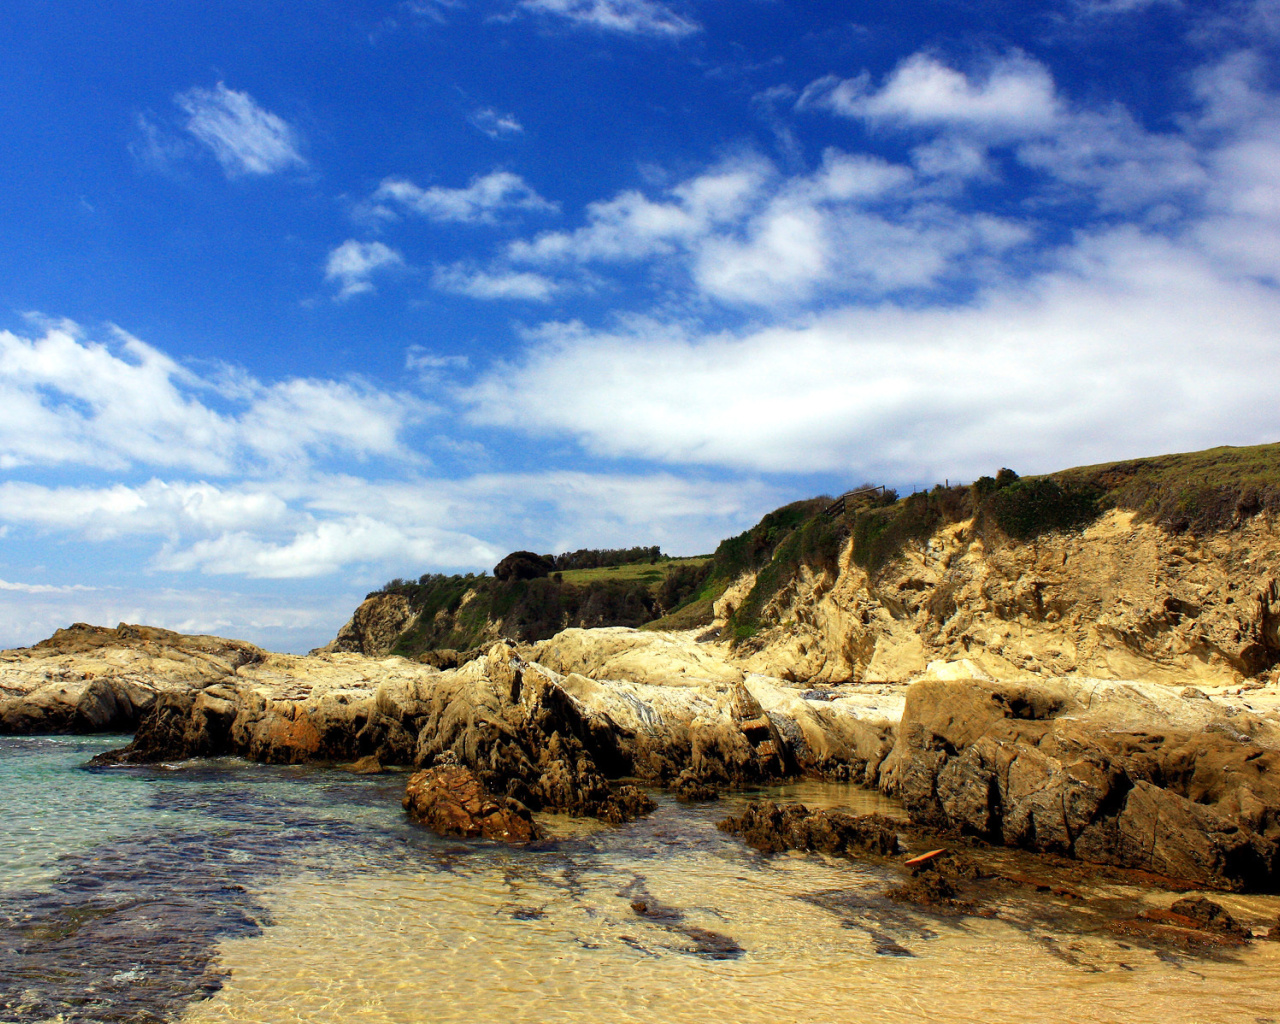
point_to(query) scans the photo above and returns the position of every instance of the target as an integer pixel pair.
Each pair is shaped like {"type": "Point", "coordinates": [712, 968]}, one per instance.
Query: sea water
{"type": "Point", "coordinates": [221, 891]}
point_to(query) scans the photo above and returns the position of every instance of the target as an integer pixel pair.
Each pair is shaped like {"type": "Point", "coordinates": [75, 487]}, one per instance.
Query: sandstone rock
{"type": "Point", "coordinates": [451, 799]}
{"type": "Point", "coordinates": [94, 679]}
{"type": "Point", "coordinates": [1120, 600]}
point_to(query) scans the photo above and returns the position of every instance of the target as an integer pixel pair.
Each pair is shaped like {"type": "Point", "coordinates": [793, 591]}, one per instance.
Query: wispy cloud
{"type": "Point", "coordinates": [494, 124]}
{"type": "Point", "coordinates": [463, 279]}
{"type": "Point", "coordinates": [479, 202]}
{"type": "Point", "coordinates": [245, 138]}
{"type": "Point", "coordinates": [352, 265]}
{"type": "Point", "coordinates": [628, 17]}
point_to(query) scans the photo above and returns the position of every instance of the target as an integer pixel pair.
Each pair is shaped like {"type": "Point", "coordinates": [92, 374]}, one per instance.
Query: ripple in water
{"type": "Point", "coordinates": [224, 891]}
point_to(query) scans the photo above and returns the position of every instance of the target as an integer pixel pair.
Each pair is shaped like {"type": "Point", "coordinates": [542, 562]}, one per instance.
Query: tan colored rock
{"type": "Point", "coordinates": [374, 627]}
{"type": "Point", "coordinates": [1120, 600]}
{"type": "Point", "coordinates": [93, 679]}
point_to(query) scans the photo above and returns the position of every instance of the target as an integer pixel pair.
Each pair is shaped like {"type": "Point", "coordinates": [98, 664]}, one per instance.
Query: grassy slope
{"type": "Point", "coordinates": [1200, 492]}
{"type": "Point", "coordinates": [652, 573]}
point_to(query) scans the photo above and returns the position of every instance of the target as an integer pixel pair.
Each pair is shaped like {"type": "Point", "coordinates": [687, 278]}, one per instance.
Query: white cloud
{"type": "Point", "coordinates": [327, 547]}
{"type": "Point", "coordinates": [352, 264]}
{"type": "Point", "coordinates": [65, 399]}
{"type": "Point", "coordinates": [1108, 353]}
{"type": "Point", "coordinates": [462, 279]}
{"type": "Point", "coordinates": [631, 226]}
{"type": "Point", "coordinates": [307, 415]}
{"type": "Point", "coordinates": [43, 588]}
{"type": "Point", "coordinates": [1014, 95]}
{"type": "Point", "coordinates": [478, 203]}
{"type": "Point", "coordinates": [629, 17]}
{"type": "Point", "coordinates": [245, 138]}
{"type": "Point", "coordinates": [494, 124]}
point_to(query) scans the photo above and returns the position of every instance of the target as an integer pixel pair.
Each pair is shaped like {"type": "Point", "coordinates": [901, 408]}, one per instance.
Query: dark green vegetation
{"type": "Point", "coordinates": [532, 602]}
{"type": "Point", "coordinates": [1199, 492]}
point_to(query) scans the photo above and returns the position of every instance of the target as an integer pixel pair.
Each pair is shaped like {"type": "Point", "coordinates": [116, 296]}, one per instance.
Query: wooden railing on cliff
{"type": "Point", "coordinates": [841, 504]}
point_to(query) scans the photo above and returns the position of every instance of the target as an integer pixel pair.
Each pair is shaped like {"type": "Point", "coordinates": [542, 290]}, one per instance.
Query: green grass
{"type": "Point", "coordinates": [1197, 492]}
{"type": "Point", "coordinates": [652, 573]}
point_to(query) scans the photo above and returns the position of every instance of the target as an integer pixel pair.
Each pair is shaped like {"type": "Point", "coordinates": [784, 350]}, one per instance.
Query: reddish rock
{"type": "Point", "coordinates": [451, 800]}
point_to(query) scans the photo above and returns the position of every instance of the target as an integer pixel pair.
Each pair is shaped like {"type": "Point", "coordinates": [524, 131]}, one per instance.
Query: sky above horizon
{"type": "Point", "coordinates": [295, 298]}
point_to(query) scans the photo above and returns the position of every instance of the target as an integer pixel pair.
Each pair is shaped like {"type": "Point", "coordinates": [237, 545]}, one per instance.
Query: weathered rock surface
{"type": "Point", "coordinates": [772, 828]}
{"type": "Point", "coordinates": [451, 799]}
{"type": "Point", "coordinates": [1176, 781]}
{"type": "Point", "coordinates": [1119, 600]}
{"type": "Point", "coordinates": [94, 679]}
{"type": "Point", "coordinates": [374, 627]}
{"type": "Point", "coordinates": [1128, 774]}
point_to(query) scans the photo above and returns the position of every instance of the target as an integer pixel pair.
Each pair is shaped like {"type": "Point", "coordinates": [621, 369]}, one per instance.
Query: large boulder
{"type": "Point", "coordinates": [451, 799]}
{"type": "Point", "coordinates": [1125, 774]}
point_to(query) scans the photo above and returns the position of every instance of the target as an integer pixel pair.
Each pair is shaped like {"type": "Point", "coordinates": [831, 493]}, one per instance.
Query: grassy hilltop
{"type": "Point", "coordinates": [1198, 492]}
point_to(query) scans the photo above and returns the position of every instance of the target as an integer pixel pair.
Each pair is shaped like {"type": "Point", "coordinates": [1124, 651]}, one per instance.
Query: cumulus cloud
{"type": "Point", "coordinates": [494, 124]}
{"type": "Point", "coordinates": [627, 17]}
{"type": "Point", "coordinates": [352, 265]}
{"type": "Point", "coordinates": [1013, 95]}
{"type": "Point", "coordinates": [479, 203]}
{"type": "Point", "coordinates": [66, 399]}
{"type": "Point", "coordinates": [748, 236]}
{"type": "Point", "coordinates": [245, 138]}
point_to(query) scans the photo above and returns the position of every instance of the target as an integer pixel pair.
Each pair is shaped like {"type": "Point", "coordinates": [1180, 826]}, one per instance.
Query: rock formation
{"type": "Point", "coordinates": [374, 628]}
{"type": "Point", "coordinates": [1132, 774]}
{"type": "Point", "coordinates": [450, 799]}
{"type": "Point", "coordinates": [1176, 781]}
{"type": "Point", "coordinates": [94, 679]}
{"type": "Point", "coordinates": [1121, 599]}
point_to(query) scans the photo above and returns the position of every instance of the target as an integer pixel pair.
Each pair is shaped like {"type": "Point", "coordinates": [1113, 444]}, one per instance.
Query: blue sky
{"type": "Point", "coordinates": [298, 297]}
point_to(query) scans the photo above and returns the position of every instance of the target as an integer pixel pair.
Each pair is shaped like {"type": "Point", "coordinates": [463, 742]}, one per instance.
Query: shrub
{"type": "Point", "coordinates": [1028, 508]}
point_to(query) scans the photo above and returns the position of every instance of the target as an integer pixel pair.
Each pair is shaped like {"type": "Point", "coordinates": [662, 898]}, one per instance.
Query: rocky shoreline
{"type": "Point", "coordinates": [1175, 782]}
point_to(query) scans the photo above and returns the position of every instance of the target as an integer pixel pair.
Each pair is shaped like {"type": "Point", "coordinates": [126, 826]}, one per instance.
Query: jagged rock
{"type": "Point", "coordinates": [1112, 773]}
{"type": "Point", "coordinates": [1120, 600]}
{"type": "Point", "coordinates": [691, 789]}
{"type": "Point", "coordinates": [451, 799]}
{"type": "Point", "coordinates": [374, 627]}
{"type": "Point", "coordinates": [771, 828]}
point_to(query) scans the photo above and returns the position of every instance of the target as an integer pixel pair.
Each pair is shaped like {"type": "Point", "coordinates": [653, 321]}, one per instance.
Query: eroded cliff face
{"type": "Point", "coordinates": [1120, 600]}
{"type": "Point", "coordinates": [374, 628]}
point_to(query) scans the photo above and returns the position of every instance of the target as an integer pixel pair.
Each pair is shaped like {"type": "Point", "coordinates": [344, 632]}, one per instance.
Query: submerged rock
{"type": "Point", "coordinates": [772, 828]}
{"type": "Point", "coordinates": [451, 799]}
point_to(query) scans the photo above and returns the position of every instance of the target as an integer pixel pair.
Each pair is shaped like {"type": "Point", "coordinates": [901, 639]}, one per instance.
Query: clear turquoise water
{"type": "Point", "coordinates": [223, 891]}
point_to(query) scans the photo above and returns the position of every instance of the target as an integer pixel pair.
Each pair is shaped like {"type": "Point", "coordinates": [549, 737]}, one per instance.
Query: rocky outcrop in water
{"type": "Point", "coordinates": [450, 799]}
{"type": "Point", "coordinates": [1128, 774]}
{"type": "Point", "coordinates": [1172, 781]}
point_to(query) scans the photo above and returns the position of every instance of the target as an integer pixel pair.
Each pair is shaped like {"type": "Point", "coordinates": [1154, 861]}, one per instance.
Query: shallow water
{"type": "Point", "coordinates": [223, 891]}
